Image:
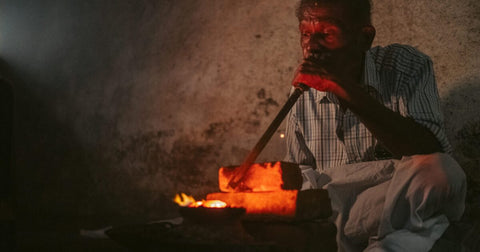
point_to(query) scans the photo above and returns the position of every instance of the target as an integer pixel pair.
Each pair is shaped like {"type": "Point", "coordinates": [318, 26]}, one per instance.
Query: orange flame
{"type": "Point", "coordinates": [185, 200]}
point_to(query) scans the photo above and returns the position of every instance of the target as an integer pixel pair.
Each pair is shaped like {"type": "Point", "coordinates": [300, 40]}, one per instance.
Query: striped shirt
{"type": "Point", "coordinates": [322, 135]}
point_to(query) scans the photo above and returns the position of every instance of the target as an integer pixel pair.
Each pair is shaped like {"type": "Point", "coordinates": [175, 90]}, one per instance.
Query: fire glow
{"type": "Point", "coordinates": [188, 201]}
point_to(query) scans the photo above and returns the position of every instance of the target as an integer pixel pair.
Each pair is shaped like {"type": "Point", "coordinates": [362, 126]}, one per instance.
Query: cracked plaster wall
{"type": "Point", "coordinates": [122, 104]}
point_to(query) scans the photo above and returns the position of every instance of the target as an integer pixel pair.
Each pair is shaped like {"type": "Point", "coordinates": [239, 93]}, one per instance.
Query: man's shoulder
{"type": "Point", "coordinates": [398, 50]}
{"type": "Point", "coordinates": [400, 57]}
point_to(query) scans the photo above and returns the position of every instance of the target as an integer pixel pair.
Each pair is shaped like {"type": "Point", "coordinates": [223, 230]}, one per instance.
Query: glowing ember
{"type": "Point", "coordinates": [263, 177]}
{"type": "Point", "coordinates": [196, 204]}
{"type": "Point", "coordinates": [259, 178]}
{"type": "Point", "coordinates": [185, 200]}
{"type": "Point", "coordinates": [281, 203]}
{"type": "Point", "coordinates": [214, 204]}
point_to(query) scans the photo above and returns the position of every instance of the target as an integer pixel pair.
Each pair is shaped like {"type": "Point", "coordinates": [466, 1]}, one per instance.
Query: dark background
{"type": "Point", "coordinates": [121, 104]}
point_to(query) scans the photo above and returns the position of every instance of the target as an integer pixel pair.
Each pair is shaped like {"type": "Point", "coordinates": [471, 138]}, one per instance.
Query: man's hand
{"type": "Point", "coordinates": [314, 76]}
{"type": "Point", "coordinates": [335, 78]}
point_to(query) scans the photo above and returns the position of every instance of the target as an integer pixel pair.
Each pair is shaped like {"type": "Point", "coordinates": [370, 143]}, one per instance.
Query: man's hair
{"type": "Point", "coordinates": [359, 10]}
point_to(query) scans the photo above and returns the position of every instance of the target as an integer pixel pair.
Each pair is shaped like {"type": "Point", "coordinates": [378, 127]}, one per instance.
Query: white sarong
{"type": "Point", "coordinates": [393, 205]}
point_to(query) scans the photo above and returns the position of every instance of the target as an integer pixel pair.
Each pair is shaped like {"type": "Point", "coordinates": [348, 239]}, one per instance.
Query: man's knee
{"type": "Point", "coordinates": [439, 178]}
{"type": "Point", "coordinates": [439, 169]}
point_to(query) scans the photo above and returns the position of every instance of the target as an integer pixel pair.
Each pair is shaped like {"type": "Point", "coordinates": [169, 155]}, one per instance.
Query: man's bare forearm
{"type": "Point", "coordinates": [400, 135]}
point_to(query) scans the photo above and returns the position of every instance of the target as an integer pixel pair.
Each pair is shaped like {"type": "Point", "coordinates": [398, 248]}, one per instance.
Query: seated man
{"type": "Point", "coordinates": [371, 129]}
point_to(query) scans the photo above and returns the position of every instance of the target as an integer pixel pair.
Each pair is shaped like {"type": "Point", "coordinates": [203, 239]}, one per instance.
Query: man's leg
{"type": "Point", "coordinates": [425, 192]}
{"type": "Point", "coordinates": [357, 192]}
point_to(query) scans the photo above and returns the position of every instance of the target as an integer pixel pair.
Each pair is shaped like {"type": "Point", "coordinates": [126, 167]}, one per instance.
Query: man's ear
{"type": "Point", "coordinates": [367, 36]}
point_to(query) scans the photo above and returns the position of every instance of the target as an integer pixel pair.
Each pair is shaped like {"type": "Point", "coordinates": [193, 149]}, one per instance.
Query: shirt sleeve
{"type": "Point", "coordinates": [422, 103]}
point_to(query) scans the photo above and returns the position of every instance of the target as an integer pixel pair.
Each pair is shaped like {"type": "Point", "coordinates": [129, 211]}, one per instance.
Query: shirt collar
{"type": "Point", "coordinates": [370, 78]}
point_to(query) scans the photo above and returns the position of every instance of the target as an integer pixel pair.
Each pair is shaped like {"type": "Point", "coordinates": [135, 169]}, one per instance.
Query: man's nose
{"type": "Point", "coordinates": [314, 42]}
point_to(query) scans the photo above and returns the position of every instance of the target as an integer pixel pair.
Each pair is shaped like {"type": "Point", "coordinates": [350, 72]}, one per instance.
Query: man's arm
{"type": "Point", "coordinates": [400, 135]}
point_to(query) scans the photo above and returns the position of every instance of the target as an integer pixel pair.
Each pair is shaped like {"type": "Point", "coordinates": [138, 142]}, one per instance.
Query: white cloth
{"type": "Point", "coordinates": [309, 177]}
{"type": "Point", "coordinates": [394, 205]}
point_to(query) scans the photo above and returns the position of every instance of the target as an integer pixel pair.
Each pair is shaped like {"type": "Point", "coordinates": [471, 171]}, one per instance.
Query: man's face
{"type": "Point", "coordinates": [326, 32]}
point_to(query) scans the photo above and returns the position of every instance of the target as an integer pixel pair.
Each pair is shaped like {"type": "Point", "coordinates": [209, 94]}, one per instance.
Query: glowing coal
{"type": "Point", "coordinates": [185, 200]}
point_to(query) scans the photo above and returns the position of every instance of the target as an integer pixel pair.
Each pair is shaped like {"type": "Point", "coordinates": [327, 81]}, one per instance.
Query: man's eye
{"type": "Point", "coordinates": [329, 32]}
{"type": "Point", "coordinates": [305, 34]}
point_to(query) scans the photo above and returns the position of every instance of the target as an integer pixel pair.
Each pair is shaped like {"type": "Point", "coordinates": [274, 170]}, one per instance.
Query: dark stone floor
{"type": "Point", "coordinates": [462, 237]}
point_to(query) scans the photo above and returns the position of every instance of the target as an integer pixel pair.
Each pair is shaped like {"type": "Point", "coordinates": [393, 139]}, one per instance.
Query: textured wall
{"type": "Point", "coordinates": [122, 104]}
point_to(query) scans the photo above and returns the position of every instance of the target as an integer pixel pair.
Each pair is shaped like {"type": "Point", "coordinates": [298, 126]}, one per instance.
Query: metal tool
{"type": "Point", "coordinates": [241, 171]}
